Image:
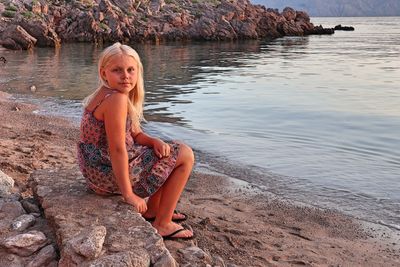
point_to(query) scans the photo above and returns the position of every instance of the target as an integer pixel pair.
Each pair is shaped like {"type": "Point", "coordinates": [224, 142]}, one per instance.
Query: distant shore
{"type": "Point", "coordinates": [47, 24]}
{"type": "Point", "coordinates": [231, 219]}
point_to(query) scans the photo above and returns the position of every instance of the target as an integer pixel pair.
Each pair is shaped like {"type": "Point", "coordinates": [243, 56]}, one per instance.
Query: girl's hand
{"type": "Point", "coordinates": [161, 149]}
{"type": "Point", "coordinates": [137, 202]}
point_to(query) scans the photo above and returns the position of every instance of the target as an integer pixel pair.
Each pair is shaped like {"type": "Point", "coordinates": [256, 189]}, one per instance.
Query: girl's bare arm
{"type": "Point", "coordinates": [115, 122]}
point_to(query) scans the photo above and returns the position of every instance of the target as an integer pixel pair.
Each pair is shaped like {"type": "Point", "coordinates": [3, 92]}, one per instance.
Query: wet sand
{"type": "Point", "coordinates": [231, 219]}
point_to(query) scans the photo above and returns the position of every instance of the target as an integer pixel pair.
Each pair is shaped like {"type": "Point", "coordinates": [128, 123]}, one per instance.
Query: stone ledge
{"type": "Point", "coordinates": [92, 230]}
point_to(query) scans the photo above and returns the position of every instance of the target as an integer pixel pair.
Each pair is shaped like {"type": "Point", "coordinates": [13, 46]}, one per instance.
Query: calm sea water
{"type": "Point", "coordinates": [320, 113]}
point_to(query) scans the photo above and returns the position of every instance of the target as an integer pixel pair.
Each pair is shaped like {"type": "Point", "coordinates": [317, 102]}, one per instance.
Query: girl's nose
{"type": "Point", "coordinates": [125, 74]}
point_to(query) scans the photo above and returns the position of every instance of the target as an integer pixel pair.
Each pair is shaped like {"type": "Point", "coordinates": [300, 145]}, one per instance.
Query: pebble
{"type": "Point", "coordinates": [23, 222]}
{"type": "Point", "coordinates": [25, 244]}
{"type": "Point", "coordinates": [90, 244]}
{"type": "Point", "coordinates": [45, 256]}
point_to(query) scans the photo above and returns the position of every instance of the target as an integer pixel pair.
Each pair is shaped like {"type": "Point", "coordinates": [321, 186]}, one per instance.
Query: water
{"type": "Point", "coordinates": [320, 113]}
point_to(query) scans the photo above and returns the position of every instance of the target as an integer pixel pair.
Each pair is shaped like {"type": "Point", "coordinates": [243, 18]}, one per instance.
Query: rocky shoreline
{"type": "Point", "coordinates": [28, 23]}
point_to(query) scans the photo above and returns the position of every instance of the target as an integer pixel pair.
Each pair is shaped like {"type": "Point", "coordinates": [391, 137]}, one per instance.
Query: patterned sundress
{"type": "Point", "coordinates": [147, 172]}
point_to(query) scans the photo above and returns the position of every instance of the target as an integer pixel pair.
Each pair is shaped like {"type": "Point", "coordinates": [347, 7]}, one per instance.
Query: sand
{"type": "Point", "coordinates": [232, 220]}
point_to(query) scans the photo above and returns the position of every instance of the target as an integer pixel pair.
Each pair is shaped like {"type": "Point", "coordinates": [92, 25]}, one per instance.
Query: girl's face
{"type": "Point", "coordinates": [121, 73]}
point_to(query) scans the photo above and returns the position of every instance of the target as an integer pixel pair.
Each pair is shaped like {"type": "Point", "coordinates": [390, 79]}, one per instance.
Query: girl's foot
{"type": "Point", "coordinates": [176, 217]}
{"type": "Point", "coordinates": [172, 231]}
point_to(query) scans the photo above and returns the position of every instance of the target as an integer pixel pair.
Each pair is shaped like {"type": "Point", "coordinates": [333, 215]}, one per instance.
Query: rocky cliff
{"type": "Point", "coordinates": [28, 23]}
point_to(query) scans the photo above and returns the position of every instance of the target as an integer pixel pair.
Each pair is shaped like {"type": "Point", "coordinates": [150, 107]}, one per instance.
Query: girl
{"type": "Point", "coordinates": [117, 157]}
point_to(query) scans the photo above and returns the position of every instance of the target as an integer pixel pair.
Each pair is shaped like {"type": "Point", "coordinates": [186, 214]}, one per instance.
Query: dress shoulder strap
{"type": "Point", "coordinates": [104, 98]}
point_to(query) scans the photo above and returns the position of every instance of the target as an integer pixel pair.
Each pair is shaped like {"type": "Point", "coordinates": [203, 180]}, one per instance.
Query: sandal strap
{"type": "Point", "coordinates": [176, 232]}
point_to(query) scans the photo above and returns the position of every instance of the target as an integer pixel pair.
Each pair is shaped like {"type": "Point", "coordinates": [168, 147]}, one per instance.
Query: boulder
{"type": "Point", "coordinates": [30, 204]}
{"type": "Point", "coordinates": [302, 16]}
{"type": "Point", "coordinates": [6, 184]}
{"type": "Point", "coordinates": [343, 28]}
{"type": "Point", "coordinates": [289, 14]}
{"type": "Point", "coordinates": [9, 210]}
{"type": "Point", "coordinates": [319, 30]}
{"type": "Point", "coordinates": [95, 230]}
{"type": "Point", "coordinates": [42, 32]}
{"type": "Point", "coordinates": [25, 244]}
{"type": "Point", "coordinates": [89, 243]}
{"type": "Point", "coordinates": [36, 7]}
{"type": "Point", "coordinates": [195, 255]}
{"type": "Point", "coordinates": [84, 27]}
{"type": "Point", "coordinates": [291, 28]}
{"type": "Point", "coordinates": [15, 37]}
{"type": "Point", "coordinates": [44, 258]}
{"type": "Point", "coordinates": [267, 26]}
{"type": "Point", "coordinates": [10, 44]}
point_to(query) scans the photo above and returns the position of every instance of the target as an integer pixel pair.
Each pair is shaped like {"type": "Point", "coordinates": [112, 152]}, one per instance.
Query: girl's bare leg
{"type": "Point", "coordinates": [153, 204]}
{"type": "Point", "coordinates": [171, 191]}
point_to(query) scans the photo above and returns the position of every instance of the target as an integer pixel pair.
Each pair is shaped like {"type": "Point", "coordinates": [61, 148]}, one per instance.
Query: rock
{"type": "Point", "coordinates": [21, 39]}
{"type": "Point", "coordinates": [42, 32]}
{"type": "Point", "coordinates": [10, 44]}
{"type": "Point", "coordinates": [123, 259]}
{"type": "Point", "coordinates": [45, 256]}
{"type": "Point", "coordinates": [302, 16]}
{"type": "Point", "coordinates": [165, 260]}
{"type": "Point", "coordinates": [292, 29]}
{"type": "Point", "coordinates": [6, 184]}
{"type": "Point", "coordinates": [154, 20]}
{"type": "Point", "coordinates": [343, 28]}
{"type": "Point", "coordinates": [53, 264]}
{"type": "Point", "coordinates": [195, 254]}
{"type": "Point", "coordinates": [129, 237]}
{"type": "Point", "coordinates": [89, 243]}
{"type": "Point", "coordinates": [30, 205]}
{"type": "Point", "coordinates": [23, 222]}
{"type": "Point", "coordinates": [9, 210]}
{"type": "Point", "coordinates": [289, 14]}
{"type": "Point", "coordinates": [124, 5]}
{"type": "Point", "coordinates": [32, 88]}
{"type": "Point", "coordinates": [36, 7]}
{"type": "Point", "coordinates": [156, 6]}
{"type": "Point", "coordinates": [11, 260]}
{"type": "Point", "coordinates": [25, 244]}
{"type": "Point", "coordinates": [218, 261]}
{"type": "Point", "coordinates": [248, 30]}
{"type": "Point", "coordinates": [319, 30]}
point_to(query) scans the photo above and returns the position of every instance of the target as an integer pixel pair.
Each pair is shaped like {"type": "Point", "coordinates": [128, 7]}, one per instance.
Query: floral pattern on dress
{"type": "Point", "coordinates": [147, 172]}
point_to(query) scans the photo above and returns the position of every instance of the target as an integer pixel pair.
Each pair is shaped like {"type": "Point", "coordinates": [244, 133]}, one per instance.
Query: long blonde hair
{"type": "Point", "coordinates": [136, 96]}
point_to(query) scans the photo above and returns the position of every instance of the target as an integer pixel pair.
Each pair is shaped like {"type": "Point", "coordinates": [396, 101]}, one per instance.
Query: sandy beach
{"type": "Point", "coordinates": [231, 219]}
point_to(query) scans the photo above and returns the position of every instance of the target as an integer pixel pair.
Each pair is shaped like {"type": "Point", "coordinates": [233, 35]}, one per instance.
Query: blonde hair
{"type": "Point", "coordinates": [136, 96]}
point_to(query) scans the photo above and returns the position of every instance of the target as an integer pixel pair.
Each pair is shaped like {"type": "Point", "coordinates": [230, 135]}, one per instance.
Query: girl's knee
{"type": "Point", "coordinates": [186, 154]}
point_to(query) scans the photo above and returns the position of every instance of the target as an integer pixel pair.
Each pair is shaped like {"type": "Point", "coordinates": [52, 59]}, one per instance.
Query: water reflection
{"type": "Point", "coordinates": [70, 72]}
{"type": "Point", "coordinates": [170, 68]}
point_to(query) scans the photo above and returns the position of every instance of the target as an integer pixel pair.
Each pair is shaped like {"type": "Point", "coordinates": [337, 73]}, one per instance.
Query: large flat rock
{"type": "Point", "coordinates": [92, 230]}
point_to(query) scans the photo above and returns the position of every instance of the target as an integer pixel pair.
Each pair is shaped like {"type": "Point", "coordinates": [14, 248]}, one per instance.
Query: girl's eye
{"type": "Point", "coordinates": [131, 70]}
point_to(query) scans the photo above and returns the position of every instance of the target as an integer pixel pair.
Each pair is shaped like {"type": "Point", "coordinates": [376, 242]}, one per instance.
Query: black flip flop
{"type": "Point", "coordinates": [173, 237]}
{"type": "Point", "coordinates": [174, 220]}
